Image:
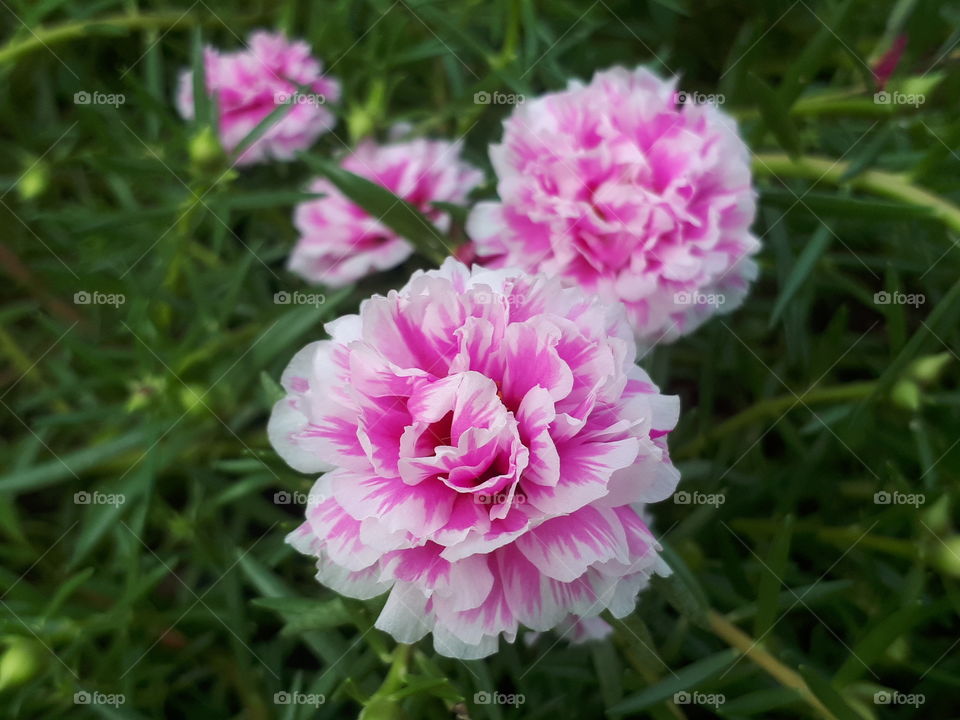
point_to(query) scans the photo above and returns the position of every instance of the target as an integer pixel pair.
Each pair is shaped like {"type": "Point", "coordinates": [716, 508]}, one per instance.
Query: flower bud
{"type": "Point", "coordinates": [34, 181]}
{"type": "Point", "coordinates": [206, 154]}
{"type": "Point", "coordinates": [946, 556]}
{"type": "Point", "coordinates": [927, 370]}
{"type": "Point", "coordinates": [906, 395]}
{"type": "Point", "coordinates": [20, 662]}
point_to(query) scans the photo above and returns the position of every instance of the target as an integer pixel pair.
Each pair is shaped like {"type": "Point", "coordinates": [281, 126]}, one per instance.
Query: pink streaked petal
{"type": "Point", "coordinates": [564, 547]}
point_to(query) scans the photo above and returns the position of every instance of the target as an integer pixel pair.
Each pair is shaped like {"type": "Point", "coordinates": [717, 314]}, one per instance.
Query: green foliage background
{"type": "Point", "coordinates": [799, 596]}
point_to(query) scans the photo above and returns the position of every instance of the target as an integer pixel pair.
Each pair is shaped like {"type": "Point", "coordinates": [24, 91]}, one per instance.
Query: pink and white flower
{"type": "Point", "coordinates": [250, 84]}
{"type": "Point", "coordinates": [624, 187]}
{"type": "Point", "coordinates": [489, 446]}
{"type": "Point", "coordinates": [340, 242]}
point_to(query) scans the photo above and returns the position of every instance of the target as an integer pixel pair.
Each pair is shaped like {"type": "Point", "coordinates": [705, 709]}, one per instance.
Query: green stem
{"type": "Point", "coordinates": [841, 537]}
{"type": "Point", "coordinates": [382, 704]}
{"type": "Point", "coordinates": [736, 638]}
{"type": "Point", "coordinates": [774, 407]}
{"type": "Point", "coordinates": [44, 37]}
{"type": "Point", "coordinates": [897, 186]}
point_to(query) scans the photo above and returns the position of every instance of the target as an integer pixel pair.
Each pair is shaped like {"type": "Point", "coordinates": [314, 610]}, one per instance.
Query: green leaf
{"type": "Point", "coordinates": [880, 637]}
{"type": "Point", "coordinates": [681, 588]}
{"type": "Point", "coordinates": [770, 581]}
{"type": "Point", "coordinates": [302, 614]}
{"type": "Point", "coordinates": [801, 270]}
{"type": "Point", "coordinates": [775, 115]}
{"type": "Point", "coordinates": [761, 701]}
{"type": "Point", "coordinates": [804, 69]}
{"type": "Point", "coordinates": [827, 694]}
{"type": "Point", "coordinates": [70, 465]}
{"type": "Point", "coordinates": [684, 679]}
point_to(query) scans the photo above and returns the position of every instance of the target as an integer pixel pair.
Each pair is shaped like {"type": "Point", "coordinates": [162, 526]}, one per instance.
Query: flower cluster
{"type": "Point", "coordinates": [616, 187]}
{"type": "Point", "coordinates": [489, 444]}
{"type": "Point", "coordinates": [250, 84]}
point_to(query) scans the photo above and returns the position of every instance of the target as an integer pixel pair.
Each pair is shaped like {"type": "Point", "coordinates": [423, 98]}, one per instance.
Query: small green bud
{"type": "Point", "coordinates": [946, 556]}
{"type": "Point", "coordinates": [20, 662]}
{"type": "Point", "coordinates": [206, 153]}
{"type": "Point", "coordinates": [906, 395]}
{"type": "Point", "coordinates": [937, 516]}
{"type": "Point", "coordinates": [34, 181]}
{"type": "Point", "coordinates": [927, 370]}
{"type": "Point", "coordinates": [191, 397]}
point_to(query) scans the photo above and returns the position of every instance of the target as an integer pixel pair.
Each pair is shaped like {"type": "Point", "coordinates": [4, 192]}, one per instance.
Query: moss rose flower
{"type": "Point", "coordinates": [250, 84]}
{"type": "Point", "coordinates": [489, 445]}
{"type": "Point", "coordinates": [627, 188]}
{"type": "Point", "coordinates": [340, 242]}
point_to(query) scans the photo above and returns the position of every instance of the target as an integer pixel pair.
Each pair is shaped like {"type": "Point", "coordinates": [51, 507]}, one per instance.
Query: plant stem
{"type": "Point", "coordinates": [897, 186]}
{"type": "Point", "coordinates": [736, 638]}
{"type": "Point", "coordinates": [44, 37]}
{"type": "Point", "coordinates": [773, 407]}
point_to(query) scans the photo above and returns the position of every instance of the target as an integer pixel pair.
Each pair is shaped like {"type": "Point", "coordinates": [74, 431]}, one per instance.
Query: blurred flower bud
{"type": "Point", "coordinates": [206, 154]}
{"type": "Point", "coordinates": [927, 370]}
{"type": "Point", "coordinates": [20, 662]}
{"type": "Point", "coordinates": [34, 181]}
{"type": "Point", "coordinates": [937, 516]}
{"type": "Point", "coordinates": [191, 397]}
{"type": "Point", "coordinates": [906, 395]}
{"type": "Point", "coordinates": [946, 556]}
